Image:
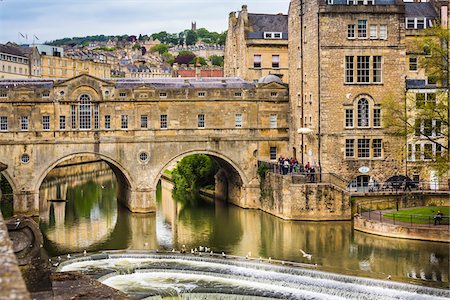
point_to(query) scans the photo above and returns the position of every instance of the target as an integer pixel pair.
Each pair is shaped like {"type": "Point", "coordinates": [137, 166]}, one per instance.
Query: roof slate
{"type": "Point", "coordinates": [11, 50]}
{"type": "Point", "coordinates": [420, 9]}
{"type": "Point", "coordinates": [268, 23]}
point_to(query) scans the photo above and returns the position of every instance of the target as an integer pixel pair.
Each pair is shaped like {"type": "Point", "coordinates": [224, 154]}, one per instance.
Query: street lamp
{"type": "Point", "coordinates": [303, 131]}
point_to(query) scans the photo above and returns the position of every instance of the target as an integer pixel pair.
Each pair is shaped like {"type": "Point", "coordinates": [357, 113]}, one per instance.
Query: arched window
{"type": "Point", "coordinates": [85, 112]}
{"type": "Point", "coordinates": [363, 113]}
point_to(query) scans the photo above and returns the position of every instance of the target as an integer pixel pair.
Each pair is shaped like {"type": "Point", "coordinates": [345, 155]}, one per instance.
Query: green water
{"type": "Point", "coordinates": [92, 220]}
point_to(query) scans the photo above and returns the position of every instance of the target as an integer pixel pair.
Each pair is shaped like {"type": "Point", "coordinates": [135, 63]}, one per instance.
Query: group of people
{"type": "Point", "coordinates": [292, 166]}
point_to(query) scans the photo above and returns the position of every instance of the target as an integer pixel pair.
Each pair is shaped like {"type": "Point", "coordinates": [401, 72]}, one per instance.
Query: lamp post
{"type": "Point", "coordinates": [303, 131]}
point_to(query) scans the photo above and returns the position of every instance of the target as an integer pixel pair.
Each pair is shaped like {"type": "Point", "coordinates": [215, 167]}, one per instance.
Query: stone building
{"type": "Point", "coordinates": [257, 45]}
{"type": "Point", "coordinates": [13, 62]}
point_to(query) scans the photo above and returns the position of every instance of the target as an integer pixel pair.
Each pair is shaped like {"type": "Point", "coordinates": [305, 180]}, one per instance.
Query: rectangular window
{"type": "Point", "coordinates": [377, 147]}
{"type": "Point", "coordinates": [349, 148]}
{"type": "Point", "coordinates": [420, 100]}
{"type": "Point", "coordinates": [3, 123]}
{"type": "Point", "coordinates": [418, 152]}
{"type": "Point", "coordinates": [275, 61]}
{"type": "Point", "coordinates": [431, 99]}
{"type": "Point", "coordinates": [383, 32]}
{"type": "Point", "coordinates": [238, 121]}
{"type": "Point", "coordinates": [362, 28]}
{"type": "Point", "coordinates": [96, 116]}
{"type": "Point", "coordinates": [363, 69]}
{"type": "Point", "coordinates": [349, 69]}
{"type": "Point", "coordinates": [373, 31]}
{"type": "Point", "coordinates": [363, 148]}
{"type": "Point", "coordinates": [420, 24]}
{"type": "Point", "coordinates": [62, 122]}
{"type": "Point", "coordinates": [417, 127]}
{"type": "Point", "coordinates": [273, 153]}
{"type": "Point", "coordinates": [73, 116]}
{"type": "Point", "coordinates": [45, 122]}
{"type": "Point", "coordinates": [201, 121]}
{"type": "Point", "coordinates": [124, 122]}
{"type": "Point", "coordinates": [437, 128]}
{"type": "Point", "coordinates": [410, 23]}
{"type": "Point", "coordinates": [238, 94]}
{"type": "Point", "coordinates": [410, 152]}
{"type": "Point", "coordinates": [122, 94]}
{"type": "Point", "coordinates": [107, 122]}
{"type": "Point", "coordinates": [349, 118]}
{"type": "Point", "coordinates": [163, 122]}
{"type": "Point", "coordinates": [201, 94]}
{"type": "Point", "coordinates": [376, 117]}
{"type": "Point", "coordinates": [163, 95]}
{"type": "Point", "coordinates": [24, 123]}
{"type": "Point", "coordinates": [438, 150]}
{"type": "Point", "coordinates": [428, 151]}
{"type": "Point", "coordinates": [273, 121]}
{"type": "Point", "coordinates": [413, 63]}
{"type": "Point", "coordinates": [428, 127]}
{"type": "Point", "coordinates": [351, 31]}
{"type": "Point", "coordinates": [377, 69]}
{"type": "Point", "coordinates": [144, 121]}
{"type": "Point", "coordinates": [257, 61]}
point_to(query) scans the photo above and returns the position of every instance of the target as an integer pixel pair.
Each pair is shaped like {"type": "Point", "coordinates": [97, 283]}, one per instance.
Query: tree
{"type": "Point", "coordinates": [161, 48]}
{"type": "Point", "coordinates": [191, 37]}
{"type": "Point", "coordinates": [424, 116]}
{"type": "Point", "coordinates": [216, 60]}
{"type": "Point", "coordinates": [136, 47]}
{"type": "Point", "coordinates": [184, 57]}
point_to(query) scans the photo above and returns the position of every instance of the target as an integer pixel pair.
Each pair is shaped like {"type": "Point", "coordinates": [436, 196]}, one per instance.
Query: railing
{"type": "Point", "coordinates": [412, 220]}
{"type": "Point", "coordinates": [401, 186]}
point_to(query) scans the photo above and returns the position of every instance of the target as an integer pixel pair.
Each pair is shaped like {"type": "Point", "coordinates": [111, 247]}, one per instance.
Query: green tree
{"type": "Point", "coordinates": [161, 48]}
{"type": "Point", "coordinates": [191, 37]}
{"type": "Point", "coordinates": [200, 60]}
{"type": "Point", "coordinates": [216, 60]}
{"type": "Point", "coordinates": [136, 46]}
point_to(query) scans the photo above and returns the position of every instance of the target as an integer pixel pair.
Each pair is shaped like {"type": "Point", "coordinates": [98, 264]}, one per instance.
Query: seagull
{"type": "Point", "coordinates": [211, 253]}
{"type": "Point", "coordinates": [55, 264]}
{"type": "Point", "coordinates": [173, 250]}
{"type": "Point", "coordinates": [145, 244]}
{"type": "Point", "coordinates": [59, 257]}
{"type": "Point", "coordinates": [192, 251]}
{"type": "Point", "coordinates": [307, 255]}
{"type": "Point", "coordinates": [84, 252]}
{"type": "Point", "coordinates": [68, 255]}
{"type": "Point", "coordinates": [183, 249]}
{"type": "Point", "coordinates": [270, 259]}
{"type": "Point", "coordinates": [102, 186]}
{"type": "Point", "coordinates": [223, 254]}
{"type": "Point", "coordinates": [207, 249]}
{"type": "Point", "coordinates": [201, 248]}
{"type": "Point", "coordinates": [249, 254]}
{"type": "Point", "coordinates": [246, 257]}
{"type": "Point", "coordinates": [389, 277]}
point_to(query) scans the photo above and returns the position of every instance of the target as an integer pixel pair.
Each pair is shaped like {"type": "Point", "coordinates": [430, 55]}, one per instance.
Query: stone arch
{"type": "Point", "coordinates": [120, 171]}
{"type": "Point", "coordinates": [10, 180]}
{"type": "Point", "coordinates": [96, 95]}
{"type": "Point", "coordinates": [242, 175]}
{"type": "Point", "coordinates": [231, 181]}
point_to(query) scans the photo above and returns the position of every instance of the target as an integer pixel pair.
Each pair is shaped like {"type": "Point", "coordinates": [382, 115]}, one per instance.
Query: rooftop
{"type": "Point", "coordinates": [420, 9]}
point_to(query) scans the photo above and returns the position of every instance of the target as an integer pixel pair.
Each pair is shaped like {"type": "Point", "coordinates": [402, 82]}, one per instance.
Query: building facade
{"type": "Point", "coordinates": [257, 46]}
{"type": "Point", "coordinates": [14, 62]}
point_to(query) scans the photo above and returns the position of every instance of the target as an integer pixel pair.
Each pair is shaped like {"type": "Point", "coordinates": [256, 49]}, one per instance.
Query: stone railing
{"type": "Point", "coordinates": [12, 286]}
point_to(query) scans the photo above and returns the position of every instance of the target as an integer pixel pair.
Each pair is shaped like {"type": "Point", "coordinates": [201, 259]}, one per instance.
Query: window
{"type": "Point", "coordinates": [124, 121]}
{"type": "Point", "coordinates": [73, 116]}
{"type": "Point", "coordinates": [428, 151]}
{"type": "Point", "coordinates": [362, 28]}
{"type": "Point", "coordinates": [273, 153]}
{"type": "Point", "coordinates": [373, 31]}
{"type": "Point", "coordinates": [349, 69]}
{"type": "Point", "coordinates": [144, 121]}
{"type": "Point", "coordinates": [420, 23]}
{"type": "Point", "coordinates": [24, 123]}
{"type": "Point", "coordinates": [62, 122]}
{"type": "Point", "coordinates": [201, 121]}
{"type": "Point", "coordinates": [349, 148]}
{"type": "Point", "coordinates": [349, 118]}
{"type": "Point", "coordinates": [275, 61]}
{"type": "Point", "coordinates": [377, 69]}
{"type": "Point", "coordinates": [363, 113]}
{"type": "Point", "coordinates": [351, 31]}
{"type": "Point", "coordinates": [3, 123]}
{"type": "Point", "coordinates": [84, 107]}
{"type": "Point", "coordinates": [420, 100]}
{"type": "Point", "coordinates": [122, 94]}
{"type": "Point", "coordinates": [437, 127]}
{"type": "Point", "coordinates": [163, 95]}
{"type": "Point", "coordinates": [273, 121]}
{"type": "Point", "coordinates": [377, 117]}
{"type": "Point", "coordinates": [413, 63]}
{"type": "Point", "coordinates": [46, 94]}
{"type": "Point", "coordinates": [3, 94]}
{"type": "Point", "coordinates": [363, 148]}
{"type": "Point", "coordinates": [363, 69]}
{"type": "Point", "coordinates": [107, 122]}
{"type": "Point", "coordinates": [238, 121]}
{"type": "Point", "coordinates": [238, 94]}
{"type": "Point", "coordinates": [376, 145]}
{"type": "Point", "coordinates": [431, 99]}
{"type": "Point", "coordinates": [257, 61]}
{"type": "Point", "coordinates": [96, 116]}
{"type": "Point", "coordinates": [273, 94]}
{"type": "Point", "coordinates": [428, 127]}
{"type": "Point", "coordinates": [163, 122]}
{"type": "Point", "coordinates": [201, 94]}
{"type": "Point", "coordinates": [45, 122]}
{"type": "Point", "coordinates": [383, 32]}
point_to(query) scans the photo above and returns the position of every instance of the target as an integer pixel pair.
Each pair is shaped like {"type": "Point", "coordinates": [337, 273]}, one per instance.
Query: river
{"type": "Point", "coordinates": [92, 220]}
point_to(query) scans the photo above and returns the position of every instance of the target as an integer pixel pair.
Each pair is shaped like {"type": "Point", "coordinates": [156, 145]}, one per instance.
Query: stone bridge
{"type": "Point", "coordinates": [140, 128]}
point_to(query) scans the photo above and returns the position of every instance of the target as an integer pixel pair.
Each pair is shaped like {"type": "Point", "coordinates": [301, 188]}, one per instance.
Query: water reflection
{"type": "Point", "coordinates": [92, 220]}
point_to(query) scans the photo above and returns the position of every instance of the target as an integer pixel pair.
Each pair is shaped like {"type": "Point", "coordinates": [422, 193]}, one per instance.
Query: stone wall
{"type": "Point", "coordinates": [318, 202]}
{"type": "Point", "coordinates": [426, 233]}
{"type": "Point", "coordinates": [12, 286]}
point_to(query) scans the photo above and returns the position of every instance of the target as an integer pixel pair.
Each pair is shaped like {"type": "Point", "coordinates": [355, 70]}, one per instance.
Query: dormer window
{"type": "Point", "coordinates": [122, 94]}
{"type": "Point", "coordinates": [273, 35]}
{"type": "Point", "coordinates": [3, 94]}
{"type": "Point", "coordinates": [162, 95]}
{"type": "Point", "coordinates": [46, 94]}
{"type": "Point", "coordinates": [201, 94]}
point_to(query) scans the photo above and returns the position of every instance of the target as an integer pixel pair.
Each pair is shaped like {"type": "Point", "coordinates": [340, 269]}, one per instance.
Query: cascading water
{"type": "Point", "coordinates": [158, 275]}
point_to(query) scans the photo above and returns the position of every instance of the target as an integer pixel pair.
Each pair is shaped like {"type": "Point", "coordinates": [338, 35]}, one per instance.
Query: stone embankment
{"type": "Point", "coordinates": [12, 286]}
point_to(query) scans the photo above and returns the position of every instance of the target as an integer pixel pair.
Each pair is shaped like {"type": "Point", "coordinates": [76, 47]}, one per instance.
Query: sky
{"type": "Point", "coordinates": [53, 19]}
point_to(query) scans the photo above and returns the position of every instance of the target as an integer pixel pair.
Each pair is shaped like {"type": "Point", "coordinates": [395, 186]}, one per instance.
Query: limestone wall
{"type": "Point", "coordinates": [318, 202]}
{"type": "Point", "coordinates": [12, 285]}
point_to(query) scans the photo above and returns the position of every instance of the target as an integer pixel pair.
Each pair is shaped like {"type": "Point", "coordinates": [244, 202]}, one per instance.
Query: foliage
{"type": "Point", "coordinates": [200, 60]}
{"type": "Point", "coordinates": [192, 173]}
{"type": "Point", "coordinates": [185, 57]}
{"type": "Point", "coordinates": [262, 170]}
{"type": "Point", "coordinates": [86, 39]}
{"type": "Point", "coordinates": [216, 60]}
{"type": "Point", "coordinates": [191, 37]}
{"type": "Point", "coordinates": [136, 47]}
{"type": "Point", "coordinates": [161, 48]}
{"type": "Point", "coordinates": [104, 48]}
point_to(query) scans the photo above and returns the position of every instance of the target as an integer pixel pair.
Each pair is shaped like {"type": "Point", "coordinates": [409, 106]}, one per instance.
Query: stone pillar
{"type": "Point", "coordinates": [251, 194]}
{"type": "Point", "coordinates": [139, 200]}
{"type": "Point", "coordinates": [26, 203]}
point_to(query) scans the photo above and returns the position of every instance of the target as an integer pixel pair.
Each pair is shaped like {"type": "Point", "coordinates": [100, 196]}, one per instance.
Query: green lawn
{"type": "Point", "coordinates": [421, 215]}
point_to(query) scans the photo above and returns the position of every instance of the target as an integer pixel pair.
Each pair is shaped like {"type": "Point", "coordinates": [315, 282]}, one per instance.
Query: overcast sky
{"type": "Point", "coordinates": [53, 19]}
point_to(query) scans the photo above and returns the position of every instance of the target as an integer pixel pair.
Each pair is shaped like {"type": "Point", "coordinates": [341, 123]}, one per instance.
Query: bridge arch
{"type": "Point", "coordinates": [229, 171]}
{"type": "Point", "coordinates": [10, 180]}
